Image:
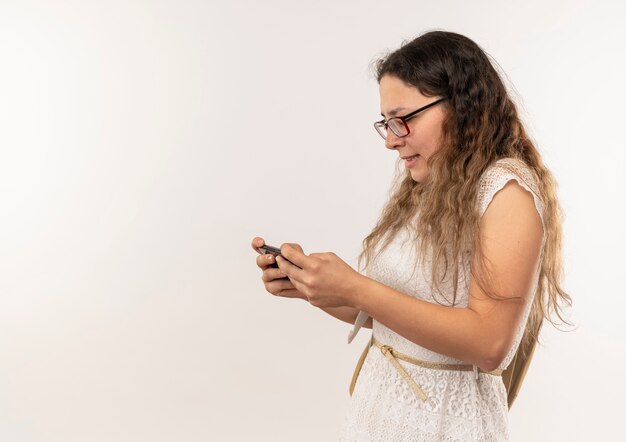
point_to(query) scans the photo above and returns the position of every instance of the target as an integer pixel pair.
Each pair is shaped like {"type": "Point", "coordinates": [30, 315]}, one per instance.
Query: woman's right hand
{"type": "Point", "coordinates": [273, 278]}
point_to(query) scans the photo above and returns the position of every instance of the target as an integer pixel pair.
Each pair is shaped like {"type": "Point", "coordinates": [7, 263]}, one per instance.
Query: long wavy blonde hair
{"type": "Point", "coordinates": [481, 126]}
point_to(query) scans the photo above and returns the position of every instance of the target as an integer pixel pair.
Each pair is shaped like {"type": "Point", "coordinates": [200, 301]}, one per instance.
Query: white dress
{"type": "Point", "coordinates": [459, 408]}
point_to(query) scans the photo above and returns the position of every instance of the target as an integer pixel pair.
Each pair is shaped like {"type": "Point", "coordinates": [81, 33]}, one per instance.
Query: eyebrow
{"type": "Point", "coordinates": [394, 111]}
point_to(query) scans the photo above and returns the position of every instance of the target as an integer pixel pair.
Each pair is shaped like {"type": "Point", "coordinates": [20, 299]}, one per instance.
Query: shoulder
{"type": "Point", "coordinates": [512, 211]}
{"type": "Point", "coordinates": [513, 182]}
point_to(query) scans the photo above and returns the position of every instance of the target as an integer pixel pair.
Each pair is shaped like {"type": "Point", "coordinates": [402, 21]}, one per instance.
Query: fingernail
{"type": "Point", "coordinates": [269, 257]}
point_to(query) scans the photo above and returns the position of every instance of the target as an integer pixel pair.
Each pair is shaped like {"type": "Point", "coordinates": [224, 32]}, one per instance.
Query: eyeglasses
{"type": "Point", "coordinates": [398, 124]}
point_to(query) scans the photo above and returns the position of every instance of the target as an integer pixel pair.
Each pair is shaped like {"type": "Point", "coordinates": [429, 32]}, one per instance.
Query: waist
{"type": "Point", "coordinates": [393, 356]}
{"type": "Point", "coordinates": [388, 350]}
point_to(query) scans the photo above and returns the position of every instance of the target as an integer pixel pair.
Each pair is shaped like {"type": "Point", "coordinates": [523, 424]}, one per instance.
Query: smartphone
{"type": "Point", "coordinates": [274, 251]}
{"type": "Point", "coordinates": [270, 249]}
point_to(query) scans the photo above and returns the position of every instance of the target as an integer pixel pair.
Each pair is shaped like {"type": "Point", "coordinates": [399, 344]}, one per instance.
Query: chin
{"type": "Point", "coordinates": [418, 176]}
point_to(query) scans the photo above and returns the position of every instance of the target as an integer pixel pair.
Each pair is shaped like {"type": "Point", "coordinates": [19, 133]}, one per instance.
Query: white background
{"type": "Point", "coordinates": [143, 144]}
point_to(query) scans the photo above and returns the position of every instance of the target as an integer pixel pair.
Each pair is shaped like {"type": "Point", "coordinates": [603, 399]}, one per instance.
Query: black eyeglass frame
{"type": "Point", "coordinates": [382, 125]}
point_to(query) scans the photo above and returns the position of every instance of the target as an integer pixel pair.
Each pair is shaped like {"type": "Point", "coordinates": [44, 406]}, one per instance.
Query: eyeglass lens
{"type": "Point", "coordinates": [395, 124]}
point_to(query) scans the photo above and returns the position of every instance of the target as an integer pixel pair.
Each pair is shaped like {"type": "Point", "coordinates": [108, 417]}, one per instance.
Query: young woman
{"type": "Point", "coordinates": [464, 263]}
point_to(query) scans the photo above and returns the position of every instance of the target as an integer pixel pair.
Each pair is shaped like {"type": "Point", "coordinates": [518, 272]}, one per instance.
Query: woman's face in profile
{"type": "Point", "coordinates": [398, 99]}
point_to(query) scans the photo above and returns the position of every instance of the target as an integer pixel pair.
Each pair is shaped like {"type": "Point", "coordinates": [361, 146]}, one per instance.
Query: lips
{"type": "Point", "coordinates": [409, 161]}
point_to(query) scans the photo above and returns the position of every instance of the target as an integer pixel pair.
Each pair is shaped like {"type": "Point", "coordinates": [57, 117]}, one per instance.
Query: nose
{"type": "Point", "coordinates": [392, 141]}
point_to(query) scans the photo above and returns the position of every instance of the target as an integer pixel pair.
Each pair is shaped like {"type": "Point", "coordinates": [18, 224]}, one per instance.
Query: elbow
{"type": "Point", "coordinates": [490, 364]}
{"type": "Point", "coordinates": [493, 356]}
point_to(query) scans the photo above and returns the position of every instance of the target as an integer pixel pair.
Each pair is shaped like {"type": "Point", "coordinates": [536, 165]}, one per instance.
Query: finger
{"type": "Point", "coordinates": [257, 242]}
{"type": "Point", "coordinates": [294, 254]}
{"type": "Point", "coordinates": [279, 287]}
{"type": "Point", "coordinates": [292, 244]}
{"type": "Point", "coordinates": [265, 260]}
{"type": "Point", "coordinates": [289, 292]}
{"type": "Point", "coordinates": [271, 274]}
{"type": "Point", "coordinates": [292, 293]}
{"type": "Point", "coordinates": [292, 271]}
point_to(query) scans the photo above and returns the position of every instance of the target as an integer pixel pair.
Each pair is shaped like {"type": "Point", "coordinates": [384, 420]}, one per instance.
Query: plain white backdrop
{"type": "Point", "coordinates": [143, 144]}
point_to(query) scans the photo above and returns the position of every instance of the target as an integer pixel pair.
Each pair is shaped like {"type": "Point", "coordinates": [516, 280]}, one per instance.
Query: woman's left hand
{"type": "Point", "coordinates": [324, 278]}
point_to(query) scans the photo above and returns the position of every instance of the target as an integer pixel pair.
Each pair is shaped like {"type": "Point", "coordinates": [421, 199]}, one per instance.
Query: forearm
{"type": "Point", "coordinates": [456, 332]}
{"type": "Point", "coordinates": [346, 314]}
